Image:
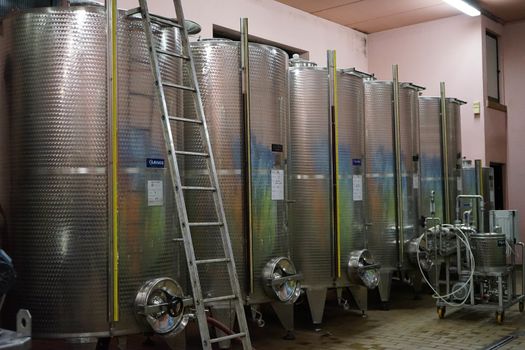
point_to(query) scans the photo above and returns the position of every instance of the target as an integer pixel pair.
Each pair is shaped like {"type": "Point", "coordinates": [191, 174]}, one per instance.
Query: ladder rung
{"type": "Point", "coordinates": [165, 21]}
{"type": "Point", "coordinates": [193, 224]}
{"type": "Point", "coordinates": [172, 54]}
{"type": "Point", "coordinates": [227, 337]}
{"type": "Point", "coordinates": [212, 261]}
{"type": "Point", "coordinates": [187, 120]}
{"type": "Point", "coordinates": [196, 154]}
{"type": "Point", "coordinates": [223, 298]}
{"type": "Point", "coordinates": [198, 188]}
{"type": "Point", "coordinates": [177, 86]}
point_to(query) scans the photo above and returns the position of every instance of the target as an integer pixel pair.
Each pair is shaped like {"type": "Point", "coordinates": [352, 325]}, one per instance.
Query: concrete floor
{"type": "Point", "coordinates": [409, 324]}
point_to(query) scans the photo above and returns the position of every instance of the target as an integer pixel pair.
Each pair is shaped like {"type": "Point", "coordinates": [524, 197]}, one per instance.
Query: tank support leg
{"type": "Point", "coordinates": [360, 294]}
{"type": "Point", "coordinates": [122, 343]}
{"type": "Point", "coordinates": [385, 284]}
{"type": "Point", "coordinates": [316, 301]}
{"type": "Point", "coordinates": [103, 343]}
{"type": "Point", "coordinates": [340, 300]}
{"type": "Point", "coordinates": [285, 314]}
{"type": "Point", "coordinates": [417, 283]}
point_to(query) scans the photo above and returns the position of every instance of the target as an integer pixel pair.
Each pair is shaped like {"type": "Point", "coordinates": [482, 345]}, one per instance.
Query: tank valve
{"type": "Point", "coordinates": [160, 304]}
{"type": "Point", "coordinates": [257, 317]}
{"type": "Point", "coordinates": [344, 303]}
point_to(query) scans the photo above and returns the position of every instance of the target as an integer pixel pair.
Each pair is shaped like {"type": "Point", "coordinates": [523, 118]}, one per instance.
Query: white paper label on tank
{"type": "Point", "coordinates": [155, 193]}
{"type": "Point", "coordinates": [459, 184]}
{"type": "Point", "coordinates": [357, 185]}
{"type": "Point", "coordinates": [415, 181]}
{"type": "Point", "coordinates": [277, 185]}
{"type": "Point", "coordinates": [492, 196]}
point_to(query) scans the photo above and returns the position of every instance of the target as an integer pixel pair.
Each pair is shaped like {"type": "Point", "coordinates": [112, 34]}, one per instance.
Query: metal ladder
{"type": "Point", "coordinates": [193, 262]}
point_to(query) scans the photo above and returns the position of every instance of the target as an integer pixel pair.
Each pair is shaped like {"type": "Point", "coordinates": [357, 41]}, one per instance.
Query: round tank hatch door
{"type": "Point", "coordinates": [159, 303]}
{"type": "Point", "coordinates": [418, 254]}
{"type": "Point", "coordinates": [363, 269]}
{"type": "Point", "coordinates": [281, 280]}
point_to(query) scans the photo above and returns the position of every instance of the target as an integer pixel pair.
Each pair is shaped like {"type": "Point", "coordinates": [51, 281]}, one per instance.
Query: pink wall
{"type": "Point", "coordinates": [276, 22]}
{"type": "Point", "coordinates": [448, 50]}
{"type": "Point", "coordinates": [514, 81]}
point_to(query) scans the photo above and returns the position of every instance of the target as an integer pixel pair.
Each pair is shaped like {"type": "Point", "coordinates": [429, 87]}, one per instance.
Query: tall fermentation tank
{"type": "Point", "coordinates": [431, 135]}
{"type": "Point", "coordinates": [251, 164]}
{"type": "Point", "coordinates": [384, 240]}
{"type": "Point", "coordinates": [60, 227]}
{"type": "Point", "coordinates": [325, 199]}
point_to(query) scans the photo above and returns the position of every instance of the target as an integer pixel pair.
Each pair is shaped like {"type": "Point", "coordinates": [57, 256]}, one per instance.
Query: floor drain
{"type": "Point", "coordinates": [500, 343]}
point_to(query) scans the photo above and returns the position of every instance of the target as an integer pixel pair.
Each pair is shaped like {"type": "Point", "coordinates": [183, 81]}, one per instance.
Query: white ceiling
{"type": "Point", "coordinates": [371, 16]}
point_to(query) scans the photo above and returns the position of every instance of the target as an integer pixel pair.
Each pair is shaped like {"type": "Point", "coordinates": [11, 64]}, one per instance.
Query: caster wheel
{"type": "Point", "coordinates": [500, 316]}
{"type": "Point", "coordinates": [441, 310]}
{"type": "Point", "coordinates": [520, 306]}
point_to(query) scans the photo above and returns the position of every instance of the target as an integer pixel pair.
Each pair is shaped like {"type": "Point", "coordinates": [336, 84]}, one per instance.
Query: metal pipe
{"type": "Point", "coordinates": [332, 88]}
{"type": "Point", "coordinates": [479, 190]}
{"type": "Point", "coordinates": [469, 196]}
{"type": "Point", "coordinates": [397, 162]}
{"type": "Point", "coordinates": [245, 71]}
{"type": "Point", "coordinates": [112, 110]}
{"type": "Point", "coordinates": [522, 266]}
{"type": "Point", "coordinates": [444, 153]}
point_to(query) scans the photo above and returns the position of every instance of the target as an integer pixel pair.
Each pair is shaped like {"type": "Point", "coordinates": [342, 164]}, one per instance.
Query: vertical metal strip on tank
{"type": "Point", "coordinates": [479, 191]}
{"type": "Point", "coordinates": [397, 162]}
{"type": "Point", "coordinates": [111, 13]}
{"type": "Point", "coordinates": [245, 71]}
{"type": "Point", "coordinates": [336, 224]}
{"type": "Point", "coordinates": [444, 152]}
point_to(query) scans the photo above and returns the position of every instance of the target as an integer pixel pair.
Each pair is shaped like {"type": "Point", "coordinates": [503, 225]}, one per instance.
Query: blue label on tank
{"type": "Point", "coordinates": [154, 163]}
{"type": "Point", "coordinates": [356, 161]}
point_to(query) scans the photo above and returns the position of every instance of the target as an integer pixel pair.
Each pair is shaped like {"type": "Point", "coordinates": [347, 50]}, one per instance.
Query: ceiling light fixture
{"type": "Point", "coordinates": [464, 7]}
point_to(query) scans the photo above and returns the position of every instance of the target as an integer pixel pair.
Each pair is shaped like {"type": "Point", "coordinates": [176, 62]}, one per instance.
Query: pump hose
{"type": "Point", "coordinates": [222, 327]}
{"type": "Point", "coordinates": [464, 239]}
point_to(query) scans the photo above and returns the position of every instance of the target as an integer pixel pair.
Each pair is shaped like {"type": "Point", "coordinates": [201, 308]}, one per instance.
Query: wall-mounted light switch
{"type": "Point", "coordinates": [476, 108]}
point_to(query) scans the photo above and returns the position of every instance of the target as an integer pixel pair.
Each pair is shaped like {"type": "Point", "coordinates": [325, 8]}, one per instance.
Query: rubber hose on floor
{"type": "Point", "coordinates": [222, 327]}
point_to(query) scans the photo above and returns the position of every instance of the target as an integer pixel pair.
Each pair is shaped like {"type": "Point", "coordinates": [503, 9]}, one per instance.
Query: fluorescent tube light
{"type": "Point", "coordinates": [464, 7]}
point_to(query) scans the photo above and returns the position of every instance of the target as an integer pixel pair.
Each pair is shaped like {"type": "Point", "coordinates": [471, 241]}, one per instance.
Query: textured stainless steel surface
{"type": "Point", "coordinates": [217, 64]}
{"type": "Point", "coordinates": [311, 214]}
{"type": "Point", "coordinates": [431, 154]}
{"type": "Point", "coordinates": [489, 250]}
{"type": "Point", "coordinates": [146, 249]}
{"type": "Point", "coordinates": [351, 148]}
{"type": "Point", "coordinates": [382, 237]}
{"type": "Point", "coordinates": [454, 150]}
{"type": "Point", "coordinates": [57, 113]}
{"type": "Point", "coordinates": [430, 158]}
{"type": "Point", "coordinates": [56, 78]}
{"type": "Point", "coordinates": [310, 170]}
{"type": "Point", "coordinates": [9, 6]}
{"type": "Point", "coordinates": [469, 182]}
{"type": "Point", "coordinates": [4, 142]}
